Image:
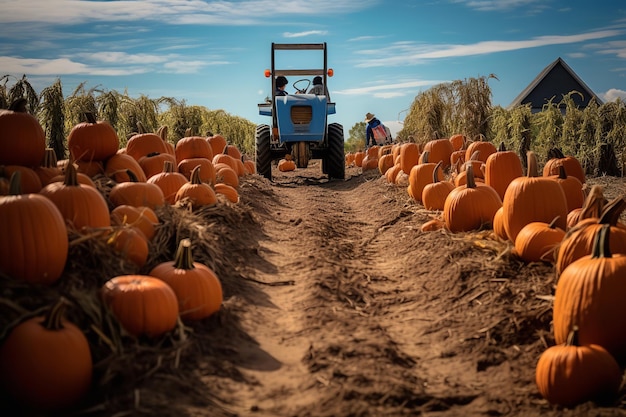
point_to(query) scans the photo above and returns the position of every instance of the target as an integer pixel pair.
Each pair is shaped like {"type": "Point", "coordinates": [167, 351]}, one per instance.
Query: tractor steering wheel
{"type": "Point", "coordinates": [297, 85]}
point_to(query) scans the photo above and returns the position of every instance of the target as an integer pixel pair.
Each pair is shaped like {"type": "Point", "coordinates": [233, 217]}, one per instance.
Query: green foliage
{"type": "Point", "coordinates": [356, 138]}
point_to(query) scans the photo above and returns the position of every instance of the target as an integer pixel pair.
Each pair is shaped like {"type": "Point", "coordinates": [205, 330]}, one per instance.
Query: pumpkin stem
{"type": "Point", "coordinates": [183, 258]}
{"type": "Point", "coordinates": [562, 173]}
{"type": "Point", "coordinates": [54, 318]}
{"type": "Point", "coordinates": [15, 183]}
{"type": "Point", "coordinates": [594, 203]}
{"type": "Point", "coordinates": [19, 105]}
{"type": "Point", "coordinates": [71, 177]}
{"type": "Point", "coordinates": [435, 172]}
{"type": "Point", "coordinates": [132, 176]}
{"type": "Point", "coordinates": [168, 166]}
{"type": "Point", "coordinates": [612, 211]}
{"type": "Point", "coordinates": [189, 132]}
{"type": "Point", "coordinates": [471, 183]}
{"type": "Point", "coordinates": [425, 156]}
{"type": "Point", "coordinates": [533, 169]}
{"type": "Point", "coordinates": [552, 224]}
{"type": "Point", "coordinates": [162, 132]}
{"type": "Point", "coordinates": [502, 147]}
{"type": "Point", "coordinates": [601, 243]}
{"type": "Point", "coordinates": [572, 337]}
{"type": "Point", "coordinates": [49, 159]}
{"type": "Point", "coordinates": [140, 127]}
{"type": "Point", "coordinates": [90, 117]}
{"type": "Point", "coordinates": [475, 155]}
{"type": "Point", "coordinates": [194, 178]}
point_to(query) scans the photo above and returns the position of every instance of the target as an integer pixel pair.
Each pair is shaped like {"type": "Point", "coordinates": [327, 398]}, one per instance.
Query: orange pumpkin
{"type": "Point", "coordinates": [196, 286]}
{"type": "Point", "coordinates": [136, 193]}
{"type": "Point", "coordinates": [226, 175]}
{"type": "Point", "coordinates": [48, 169]}
{"type": "Point", "coordinates": [152, 164]}
{"type": "Point", "coordinates": [501, 168]}
{"type": "Point", "coordinates": [572, 187]}
{"type": "Point", "coordinates": [143, 305]}
{"type": "Point", "coordinates": [29, 180]}
{"type": "Point", "coordinates": [81, 206]}
{"type": "Point", "coordinates": [409, 156]}
{"type": "Point", "coordinates": [45, 362]}
{"type": "Point", "coordinates": [196, 192]}
{"type": "Point", "coordinates": [169, 181]}
{"type": "Point", "coordinates": [423, 174]}
{"type": "Point", "coordinates": [193, 147]}
{"type": "Point", "coordinates": [33, 243]}
{"type": "Point", "coordinates": [22, 139]}
{"type": "Point", "coordinates": [117, 167]}
{"type": "Point", "coordinates": [143, 218]}
{"type": "Point", "coordinates": [142, 144]}
{"type": "Point", "coordinates": [570, 373]}
{"type": "Point", "coordinates": [227, 191]}
{"type": "Point", "coordinates": [439, 150]}
{"type": "Point", "coordinates": [207, 169]}
{"type": "Point", "coordinates": [130, 242]}
{"type": "Point", "coordinates": [571, 164]}
{"type": "Point", "coordinates": [470, 207]}
{"type": "Point", "coordinates": [483, 148]}
{"type": "Point", "coordinates": [590, 295]}
{"type": "Point", "coordinates": [533, 198]}
{"type": "Point", "coordinates": [578, 242]}
{"type": "Point", "coordinates": [217, 143]}
{"type": "Point", "coordinates": [434, 194]}
{"type": "Point", "coordinates": [537, 241]}
{"type": "Point", "coordinates": [92, 140]}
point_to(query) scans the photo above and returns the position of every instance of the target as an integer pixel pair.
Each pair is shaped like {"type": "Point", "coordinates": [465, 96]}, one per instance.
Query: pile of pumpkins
{"type": "Point", "coordinates": [548, 217]}
{"type": "Point", "coordinates": [41, 199]}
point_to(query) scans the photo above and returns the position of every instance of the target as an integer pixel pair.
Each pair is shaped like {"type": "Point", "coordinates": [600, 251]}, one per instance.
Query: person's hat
{"type": "Point", "coordinates": [317, 80]}
{"type": "Point", "coordinates": [368, 117]}
{"type": "Point", "coordinates": [281, 81]}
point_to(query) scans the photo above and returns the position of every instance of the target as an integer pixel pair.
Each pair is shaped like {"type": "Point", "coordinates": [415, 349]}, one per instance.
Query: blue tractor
{"type": "Point", "coordinates": [300, 121]}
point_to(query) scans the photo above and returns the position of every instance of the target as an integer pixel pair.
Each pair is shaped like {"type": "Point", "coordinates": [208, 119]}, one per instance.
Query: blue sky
{"type": "Point", "coordinates": [384, 53]}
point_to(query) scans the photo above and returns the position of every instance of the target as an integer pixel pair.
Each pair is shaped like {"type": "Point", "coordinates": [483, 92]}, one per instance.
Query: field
{"type": "Point", "coordinates": [335, 304]}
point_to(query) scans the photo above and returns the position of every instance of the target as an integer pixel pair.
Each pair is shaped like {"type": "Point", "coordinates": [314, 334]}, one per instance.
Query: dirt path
{"type": "Point", "coordinates": [369, 316]}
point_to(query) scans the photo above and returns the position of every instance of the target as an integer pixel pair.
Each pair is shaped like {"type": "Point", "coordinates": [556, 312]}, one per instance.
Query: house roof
{"type": "Point", "coordinates": [555, 81]}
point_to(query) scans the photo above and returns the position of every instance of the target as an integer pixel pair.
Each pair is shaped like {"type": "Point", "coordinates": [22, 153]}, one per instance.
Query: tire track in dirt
{"type": "Point", "coordinates": [336, 354]}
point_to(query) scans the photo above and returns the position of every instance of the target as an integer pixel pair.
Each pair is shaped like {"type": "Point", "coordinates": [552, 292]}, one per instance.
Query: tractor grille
{"type": "Point", "coordinates": [301, 115]}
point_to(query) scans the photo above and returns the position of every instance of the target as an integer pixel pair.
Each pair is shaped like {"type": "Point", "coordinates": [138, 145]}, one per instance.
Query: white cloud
{"type": "Point", "coordinates": [613, 94]}
{"type": "Point", "coordinates": [504, 5]}
{"type": "Point", "coordinates": [216, 12]}
{"type": "Point", "coordinates": [409, 53]}
{"type": "Point", "coordinates": [387, 90]}
{"type": "Point", "coordinates": [390, 94]}
{"type": "Point", "coordinates": [124, 58]}
{"type": "Point", "coordinates": [59, 66]}
{"type": "Point", "coordinates": [302, 34]}
{"type": "Point", "coordinates": [104, 63]}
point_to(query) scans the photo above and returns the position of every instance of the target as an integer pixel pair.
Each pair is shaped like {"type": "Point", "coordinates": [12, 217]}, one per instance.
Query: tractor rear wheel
{"type": "Point", "coordinates": [301, 154]}
{"type": "Point", "coordinates": [263, 153]}
{"type": "Point", "coordinates": [335, 160]}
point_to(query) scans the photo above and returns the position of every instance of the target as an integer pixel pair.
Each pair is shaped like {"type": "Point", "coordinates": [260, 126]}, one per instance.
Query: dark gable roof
{"type": "Point", "coordinates": [556, 80]}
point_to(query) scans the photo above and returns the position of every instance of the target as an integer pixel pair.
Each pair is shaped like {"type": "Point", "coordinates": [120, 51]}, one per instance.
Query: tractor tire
{"type": "Point", "coordinates": [335, 161]}
{"type": "Point", "coordinates": [263, 153]}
